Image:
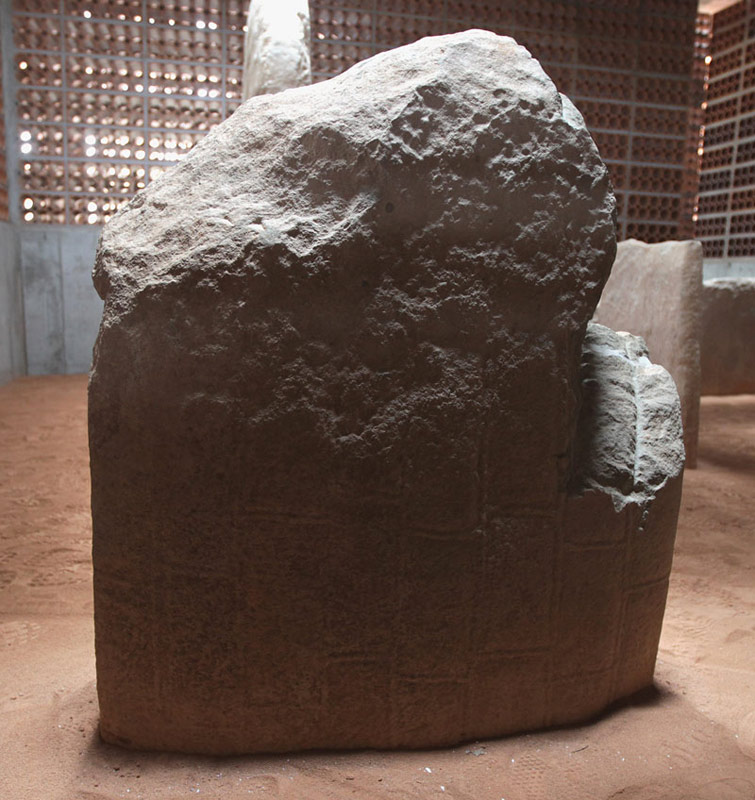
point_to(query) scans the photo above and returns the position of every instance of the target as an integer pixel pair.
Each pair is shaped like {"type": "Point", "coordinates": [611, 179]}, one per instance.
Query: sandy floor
{"type": "Point", "coordinates": [691, 739]}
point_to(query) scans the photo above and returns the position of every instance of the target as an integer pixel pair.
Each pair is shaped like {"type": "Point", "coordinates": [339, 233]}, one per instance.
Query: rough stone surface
{"type": "Point", "coordinates": [727, 337]}
{"type": "Point", "coordinates": [276, 47]}
{"type": "Point", "coordinates": [358, 477]}
{"type": "Point", "coordinates": [654, 292]}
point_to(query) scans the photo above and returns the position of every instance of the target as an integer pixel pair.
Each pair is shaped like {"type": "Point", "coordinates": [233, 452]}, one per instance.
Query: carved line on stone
{"type": "Point", "coordinates": [476, 641]}
{"type": "Point", "coordinates": [261, 515]}
{"type": "Point", "coordinates": [560, 680]}
{"type": "Point", "coordinates": [619, 643]}
{"type": "Point", "coordinates": [436, 679]}
{"type": "Point", "coordinates": [345, 523]}
{"type": "Point", "coordinates": [594, 545]}
{"type": "Point", "coordinates": [157, 610]}
{"type": "Point", "coordinates": [351, 658]}
{"type": "Point", "coordinates": [555, 604]}
{"type": "Point", "coordinates": [451, 536]}
{"type": "Point", "coordinates": [400, 594]}
{"type": "Point", "coordinates": [619, 631]}
{"type": "Point", "coordinates": [523, 511]}
{"type": "Point", "coordinates": [636, 588]}
{"type": "Point", "coordinates": [630, 524]}
{"type": "Point", "coordinates": [474, 629]}
{"type": "Point", "coordinates": [493, 656]}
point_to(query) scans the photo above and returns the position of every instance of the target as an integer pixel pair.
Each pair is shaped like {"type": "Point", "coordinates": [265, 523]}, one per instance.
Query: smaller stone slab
{"type": "Point", "coordinates": [276, 47]}
{"type": "Point", "coordinates": [654, 292]}
{"type": "Point", "coordinates": [727, 336]}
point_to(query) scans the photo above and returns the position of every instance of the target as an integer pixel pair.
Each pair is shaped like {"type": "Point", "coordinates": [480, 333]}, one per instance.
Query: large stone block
{"type": "Point", "coordinates": [276, 47]}
{"type": "Point", "coordinates": [727, 336]}
{"type": "Point", "coordinates": [360, 478]}
{"type": "Point", "coordinates": [654, 292]}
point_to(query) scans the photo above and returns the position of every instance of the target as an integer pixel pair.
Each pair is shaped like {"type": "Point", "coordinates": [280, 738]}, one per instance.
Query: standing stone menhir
{"type": "Point", "coordinates": [363, 475]}
{"type": "Point", "coordinates": [727, 337]}
{"type": "Point", "coordinates": [276, 47]}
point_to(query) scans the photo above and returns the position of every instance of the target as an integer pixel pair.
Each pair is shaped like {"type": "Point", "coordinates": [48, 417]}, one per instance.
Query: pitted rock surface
{"type": "Point", "coordinates": [342, 490]}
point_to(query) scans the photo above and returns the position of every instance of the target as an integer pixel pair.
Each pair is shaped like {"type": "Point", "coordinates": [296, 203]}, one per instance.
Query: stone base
{"type": "Point", "coordinates": [240, 630]}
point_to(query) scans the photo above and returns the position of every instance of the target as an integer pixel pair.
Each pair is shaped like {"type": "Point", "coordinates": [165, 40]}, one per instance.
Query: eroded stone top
{"type": "Point", "coordinates": [452, 149]}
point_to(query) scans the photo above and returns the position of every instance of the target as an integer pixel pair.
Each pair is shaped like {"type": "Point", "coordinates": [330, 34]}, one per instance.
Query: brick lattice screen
{"type": "Point", "coordinates": [726, 210]}
{"type": "Point", "coordinates": [111, 93]}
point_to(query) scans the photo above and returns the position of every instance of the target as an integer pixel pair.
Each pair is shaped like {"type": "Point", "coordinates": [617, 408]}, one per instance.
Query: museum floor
{"type": "Point", "coordinates": [691, 739]}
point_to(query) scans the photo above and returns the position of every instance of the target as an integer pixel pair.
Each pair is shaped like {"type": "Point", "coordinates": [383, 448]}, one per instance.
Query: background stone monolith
{"type": "Point", "coordinates": [362, 473]}
{"type": "Point", "coordinates": [276, 47]}
{"type": "Point", "coordinates": [727, 336]}
{"type": "Point", "coordinates": [654, 291]}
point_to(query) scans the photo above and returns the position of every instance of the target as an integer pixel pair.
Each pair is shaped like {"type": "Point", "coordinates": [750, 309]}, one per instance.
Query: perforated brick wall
{"type": "Point", "coordinates": [726, 210]}
{"type": "Point", "coordinates": [111, 93]}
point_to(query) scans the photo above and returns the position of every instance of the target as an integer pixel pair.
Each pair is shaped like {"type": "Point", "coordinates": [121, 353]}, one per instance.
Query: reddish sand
{"type": "Point", "coordinates": [692, 738]}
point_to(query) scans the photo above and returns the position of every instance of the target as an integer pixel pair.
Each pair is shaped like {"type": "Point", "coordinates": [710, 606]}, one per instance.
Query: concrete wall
{"type": "Point", "coordinates": [12, 347]}
{"type": "Point", "coordinates": [728, 268]}
{"type": "Point", "coordinates": [62, 309]}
